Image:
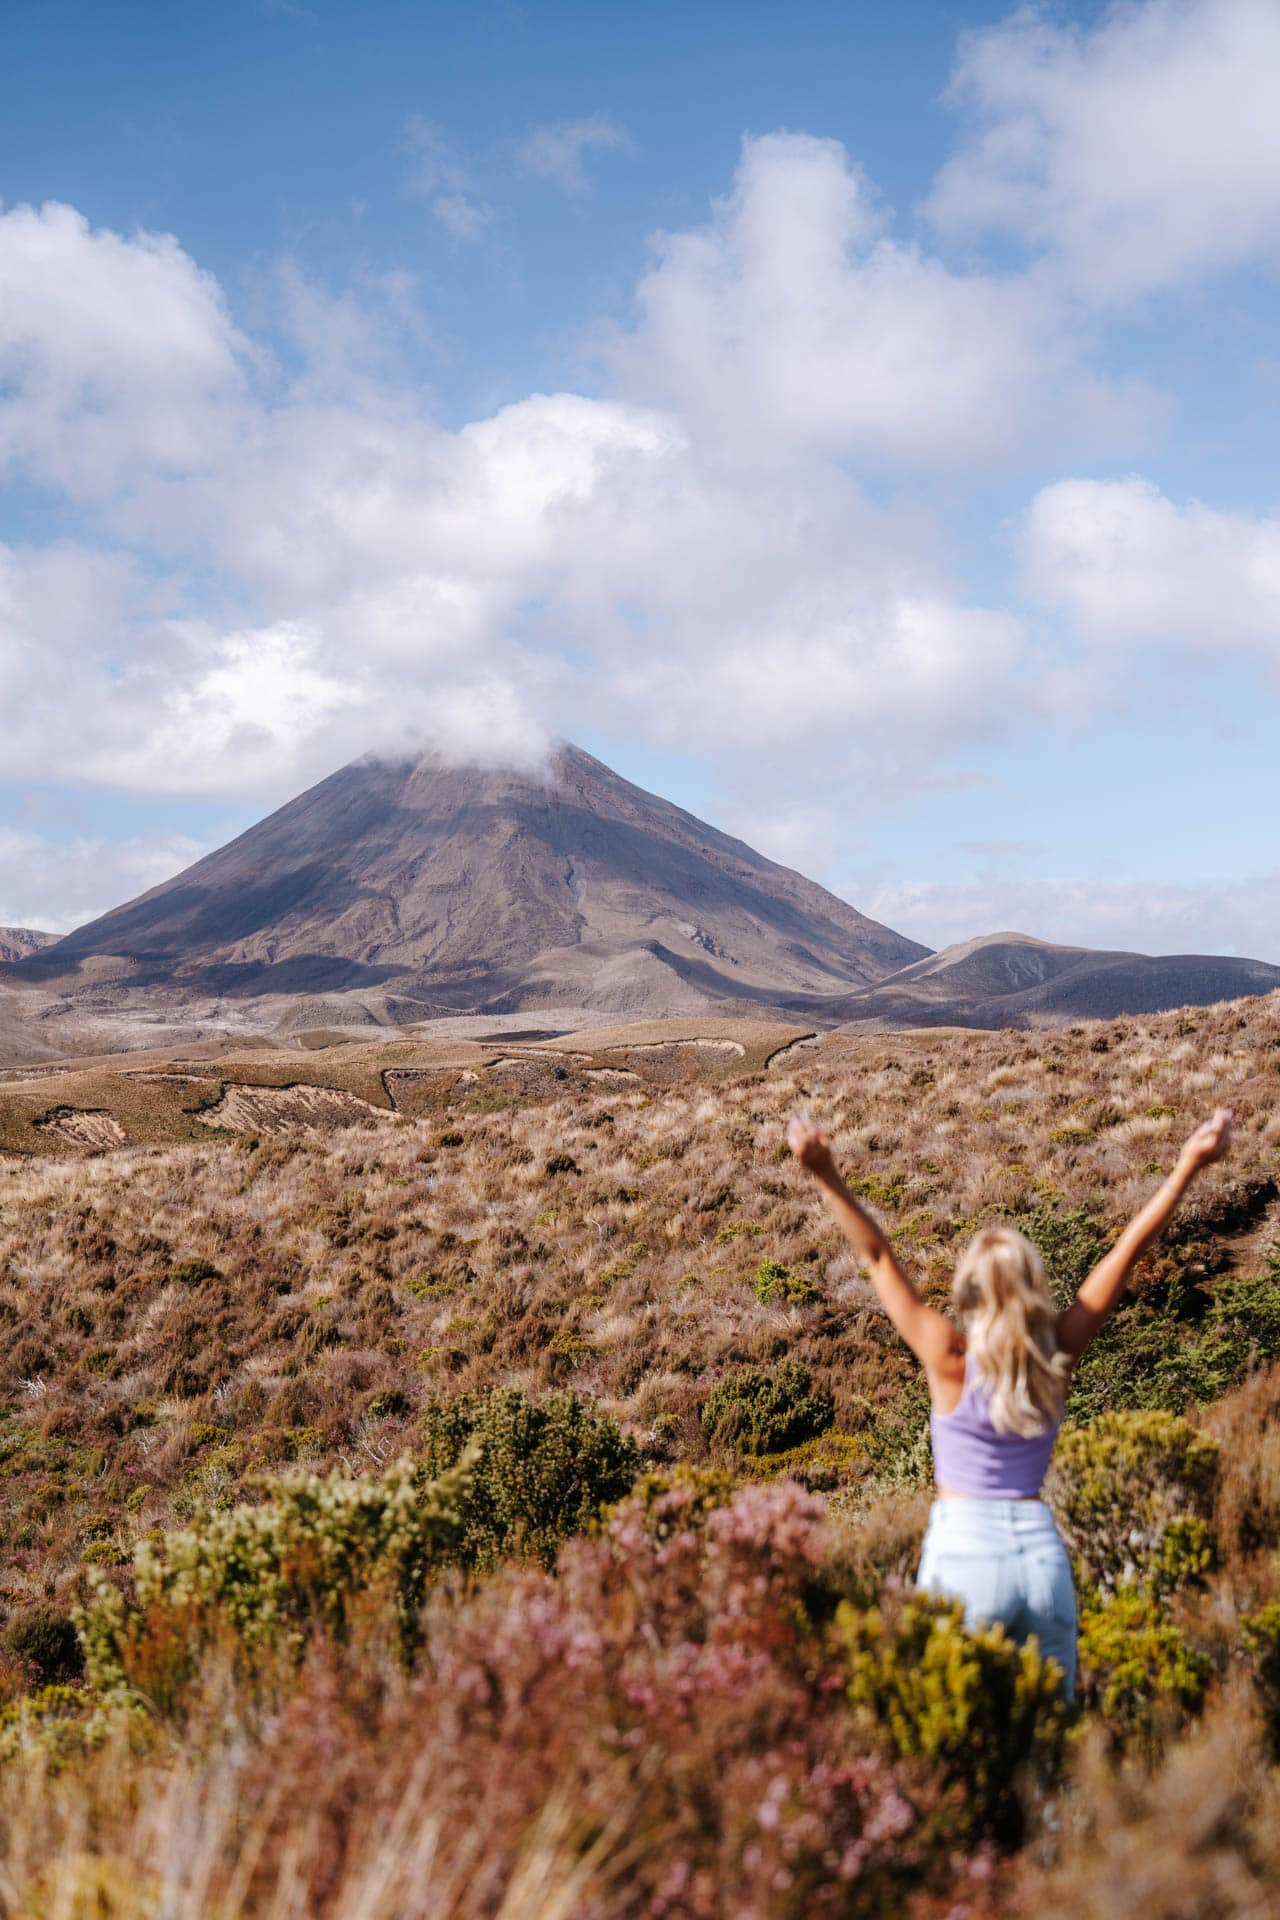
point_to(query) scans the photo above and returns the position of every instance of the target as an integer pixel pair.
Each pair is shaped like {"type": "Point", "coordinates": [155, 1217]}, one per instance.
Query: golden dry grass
{"type": "Point", "coordinates": [525, 1220]}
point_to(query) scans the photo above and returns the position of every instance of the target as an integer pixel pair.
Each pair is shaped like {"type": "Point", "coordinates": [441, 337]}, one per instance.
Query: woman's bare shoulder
{"type": "Point", "coordinates": [946, 1375]}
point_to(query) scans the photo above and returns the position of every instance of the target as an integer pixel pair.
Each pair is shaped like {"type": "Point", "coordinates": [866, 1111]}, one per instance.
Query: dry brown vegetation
{"type": "Point", "coordinates": [153, 1099]}
{"type": "Point", "coordinates": [621, 1217]}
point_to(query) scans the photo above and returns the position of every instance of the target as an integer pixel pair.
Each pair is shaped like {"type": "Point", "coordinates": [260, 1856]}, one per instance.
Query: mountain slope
{"type": "Point", "coordinates": [486, 889]}
{"type": "Point", "coordinates": [1012, 980]}
{"type": "Point", "coordinates": [16, 943]}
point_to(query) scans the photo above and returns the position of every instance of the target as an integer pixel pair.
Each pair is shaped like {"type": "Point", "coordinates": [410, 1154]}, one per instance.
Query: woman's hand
{"type": "Point", "coordinates": [1209, 1142]}
{"type": "Point", "coordinates": [809, 1143]}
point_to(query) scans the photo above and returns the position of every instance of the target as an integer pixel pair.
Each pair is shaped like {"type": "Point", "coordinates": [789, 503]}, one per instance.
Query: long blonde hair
{"type": "Point", "coordinates": [1011, 1330]}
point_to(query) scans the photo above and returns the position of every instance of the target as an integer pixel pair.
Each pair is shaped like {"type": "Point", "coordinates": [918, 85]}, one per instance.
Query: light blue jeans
{"type": "Point", "coordinates": [1006, 1561]}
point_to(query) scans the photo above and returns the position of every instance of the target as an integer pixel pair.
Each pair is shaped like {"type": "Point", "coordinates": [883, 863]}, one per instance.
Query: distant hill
{"type": "Point", "coordinates": [1012, 980]}
{"type": "Point", "coordinates": [463, 888]}
{"type": "Point", "coordinates": [17, 943]}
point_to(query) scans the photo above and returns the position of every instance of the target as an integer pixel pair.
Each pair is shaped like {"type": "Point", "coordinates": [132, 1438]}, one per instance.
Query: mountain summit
{"type": "Point", "coordinates": [460, 887]}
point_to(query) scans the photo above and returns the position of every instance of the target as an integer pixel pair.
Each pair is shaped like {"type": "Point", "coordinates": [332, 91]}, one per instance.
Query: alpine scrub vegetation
{"type": "Point", "coordinates": [272, 1574]}
{"type": "Point", "coordinates": [533, 1474]}
{"type": "Point", "coordinates": [394, 1527]}
{"type": "Point", "coordinates": [985, 1714]}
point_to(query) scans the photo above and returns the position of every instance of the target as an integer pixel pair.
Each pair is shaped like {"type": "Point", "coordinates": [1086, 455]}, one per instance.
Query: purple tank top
{"type": "Point", "coordinates": [970, 1457]}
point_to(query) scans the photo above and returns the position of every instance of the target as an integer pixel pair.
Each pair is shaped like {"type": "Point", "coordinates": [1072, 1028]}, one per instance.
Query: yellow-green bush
{"type": "Point", "coordinates": [681, 1499]}
{"type": "Point", "coordinates": [1137, 1671]}
{"type": "Point", "coordinates": [57, 1722]}
{"type": "Point", "coordinates": [778, 1285]}
{"type": "Point", "coordinates": [980, 1709]}
{"type": "Point", "coordinates": [822, 1463]}
{"type": "Point", "coordinates": [1133, 1493]}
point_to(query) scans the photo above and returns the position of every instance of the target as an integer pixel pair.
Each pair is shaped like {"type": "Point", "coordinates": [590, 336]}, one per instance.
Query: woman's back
{"type": "Point", "coordinates": [971, 1457]}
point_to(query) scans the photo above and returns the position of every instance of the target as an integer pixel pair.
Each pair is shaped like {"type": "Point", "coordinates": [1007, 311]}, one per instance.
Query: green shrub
{"type": "Point", "coordinates": [569, 1346]}
{"type": "Point", "coordinates": [269, 1574]}
{"type": "Point", "coordinates": [44, 1638]}
{"type": "Point", "coordinates": [760, 1410]}
{"type": "Point", "coordinates": [1241, 1330]}
{"type": "Point", "coordinates": [980, 1709]}
{"type": "Point", "coordinates": [888, 1194]}
{"type": "Point", "coordinates": [190, 1273]}
{"type": "Point", "coordinates": [1172, 1351]}
{"type": "Point", "coordinates": [1133, 1493]}
{"type": "Point", "coordinates": [1260, 1639]}
{"type": "Point", "coordinates": [898, 1439]}
{"type": "Point", "coordinates": [429, 1286]}
{"type": "Point", "coordinates": [776, 1282]}
{"type": "Point", "coordinates": [1138, 1672]}
{"type": "Point", "coordinates": [1071, 1241]}
{"type": "Point", "coordinates": [544, 1471]}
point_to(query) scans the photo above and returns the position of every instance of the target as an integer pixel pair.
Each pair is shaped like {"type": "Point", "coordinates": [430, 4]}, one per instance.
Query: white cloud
{"type": "Point", "coordinates": [462, 217]}
{"type": "Point", "coordinates": [116, 356]}
{"type": "Point", "coordinates": [1134, 916]}
{"type": "Point", "coordinates": [56, 886]}
{"type": "Point", "coordinates": [556, 152]}
{"type": "Point", "coordinates": [795, 318]}
{"type": "Point", "coordinates": [347, 342]}
{"type": "Point", "coordinates": [1139, 152]}
{"type": "Point", "coordinates": [1129, 563]}
{"type": "Point", "coordinates": [439, 176]}
{"type": "Point", "coordinates": [555, 559]}
{"type": "Point", "coordinates": [280, 567]}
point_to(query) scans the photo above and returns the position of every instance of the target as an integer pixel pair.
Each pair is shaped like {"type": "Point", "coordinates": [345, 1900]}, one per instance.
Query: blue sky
{"type": "Point", "coordinates": [855, 423]}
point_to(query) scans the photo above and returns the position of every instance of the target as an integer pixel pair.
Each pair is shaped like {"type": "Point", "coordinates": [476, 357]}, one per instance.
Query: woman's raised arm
{"type": "Point", "coordinates": [1100, 1292]}
{"type": "Point", "coordinates": [929, 1334]}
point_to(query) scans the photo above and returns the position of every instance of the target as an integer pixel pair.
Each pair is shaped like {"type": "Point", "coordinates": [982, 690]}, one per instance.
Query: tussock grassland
{"type": "Point", "coordinates": [154, 1100]}
{"type": "Point", "coordinates": [697, 1709]}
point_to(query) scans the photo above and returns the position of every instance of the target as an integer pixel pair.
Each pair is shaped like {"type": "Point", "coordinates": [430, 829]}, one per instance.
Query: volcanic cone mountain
{"type": "Point", "coordinates": [434, 888]}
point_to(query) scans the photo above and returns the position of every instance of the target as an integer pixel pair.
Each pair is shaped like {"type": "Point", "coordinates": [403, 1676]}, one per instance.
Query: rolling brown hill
{"type": "Point", "coordinates": [1012, 980]}
{"type": "Point", "coordinates": [453, 888]}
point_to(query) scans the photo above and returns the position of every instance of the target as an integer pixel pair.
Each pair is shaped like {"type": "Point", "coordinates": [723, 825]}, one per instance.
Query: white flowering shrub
{"type": "Point", "coordinates": [268, 1575]}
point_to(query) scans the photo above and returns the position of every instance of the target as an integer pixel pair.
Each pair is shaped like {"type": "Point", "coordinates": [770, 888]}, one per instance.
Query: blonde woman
{"type": "Point", "coordinates": [998, 1377]}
